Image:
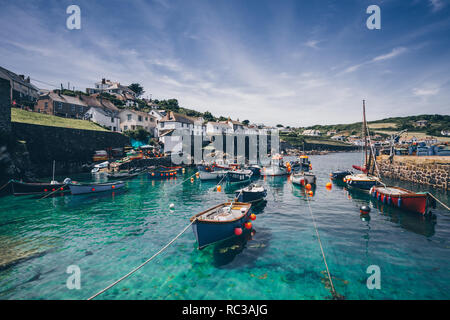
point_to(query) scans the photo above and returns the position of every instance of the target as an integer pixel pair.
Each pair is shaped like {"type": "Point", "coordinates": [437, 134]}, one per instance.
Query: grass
{"type": "Point", "coordinates": [23, 116]}
{"type": "Point", "coordinates": [382, 125]}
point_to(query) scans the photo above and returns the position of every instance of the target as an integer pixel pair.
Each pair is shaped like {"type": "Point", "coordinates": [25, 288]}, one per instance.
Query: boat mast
{"type": "Point", "coordinates": [364, 133]}
{"type": "Point", "coordinates": [53, 179]}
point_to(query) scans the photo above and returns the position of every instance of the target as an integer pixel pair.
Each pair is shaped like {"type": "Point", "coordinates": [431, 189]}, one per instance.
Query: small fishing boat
{"type": "Point", "coordinates": [402, 198]}
{"type": "Point", "coordinates": [98, 168]}
{"type": "Point", "coordinates": [207, 172]}
{"type": "Point", "coordinates": [83, 188]}
{"type": "Point", "coordinates": [340, 174]}
{"type": "Point", "coordinates": [255, 169]}
{"type": "Point", "coordinates": [304, 163]}
{"type": "Point", "coordinates": [252, 193]}
{"type": "Point", "coordinates": [20, 188]}
{"type": "Point", "coordinates": [362, 181]}
{"type": "Point", "coordinates": [276, 167]}
{"type": "Point", "coordinates": [238, 176]}
{"type": "Point", "coordinates": [303, 178]}
{"type": "Point", "coordinates": [123, 175]}
{"type": "Point", "coordinates": [220, 222]}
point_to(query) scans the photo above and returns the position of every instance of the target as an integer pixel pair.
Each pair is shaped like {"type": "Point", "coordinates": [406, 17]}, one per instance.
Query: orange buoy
{"type": "Point", "coordinates": [308, 187]}
{"type": "Point", "coordinates": [219, 188]}
{"type": "Point", "coordinates": [238, 231]}
{"type": "Point", "coordinates": [310, 193]}
{"type": "Point", "coordinates": [192, 179]}
{"type": "Point", "coordinates": [328, 185]}
{"type": "Point", "coordinates": [252, 216]}
{"type": "Point", "coordinates": [197, 174]}
{"type": "Point", "coordinates": [248, 225]}
{"type": "Point", "coordinates": [113, 186]}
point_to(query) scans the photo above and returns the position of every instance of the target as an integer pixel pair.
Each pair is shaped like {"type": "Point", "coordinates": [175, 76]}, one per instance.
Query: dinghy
{"type": "Point", "coordinates": [252, 193]}
{"type": "Point", "coordinates": [340, 174]}
{"type": "Point", "coordinates": [402, 198]}
{"type": "Point", "coordinates": [20, 188]}
{"type": "Point", "coordinates": [276, 167]}
{"type": "Point", "coordinates": [220, 222]}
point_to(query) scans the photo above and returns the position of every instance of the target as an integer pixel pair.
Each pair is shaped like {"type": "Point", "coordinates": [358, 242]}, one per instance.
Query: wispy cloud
{"type": "Point", "coordinates": [436, 5]}
{"type": "Point", "coordinates": [425, 91]}
{"type": "Point", "coordinates": [312, 44]}
{"type": "Point", "coordinates": [395, 52]}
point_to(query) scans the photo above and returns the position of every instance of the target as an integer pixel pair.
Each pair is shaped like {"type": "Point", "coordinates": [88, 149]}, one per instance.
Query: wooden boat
{"type": "Point", "coordinates": [20, 188]}
{"type": "Point", "coordinates": [303, 178]}
{"type": "Point", "coordinates": [219, 222]}
{"type": "Point", "coordinates": [123, 175]}
{"type": "Point", "coordinates": [207, 172]}
{"type": "Point", "coordinates": [402, 198]}
{"type": "Point", "coordinates": [252, 193]}
{"type": "Point", "coordinates": [340, 174]}
{"type": "Point", "coordinates": [238, 176]}
{"type": "Point", "coordinates": [83, 188]}
{"type": "Point", "coordinates": [362, 181]}
{"type": "Point", "coordinates": [98, 168]}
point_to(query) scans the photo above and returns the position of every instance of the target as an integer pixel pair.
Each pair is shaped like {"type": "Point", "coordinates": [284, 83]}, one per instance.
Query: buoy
{"type": "Point", "coordinates": [238, 231]}
{"type": "Point", "coordinates": [252, 216]}
{"type": "Point", "coordinates": [248, 225]}
{"type": "Point", "coordinates": [183, 170]}
{"type": "Point", "coordinates": [171, 206]}
{"type": "Point", "coordinates": [345, 180]}
{"type": "Point", "coordinates": [113, 186]}
{"type": "Point", "coordinates": [197, 174]}
{"type": "Point", "coordinates": [310, 193]}
{"type": "Point", "coordinates": [153, 173]}
{"type": "Point", "coordinates": [45, 190]}
{"type": "Point", "coordinates": [302, 182]}
{"type": "Point", "coordinates": [219, 188]}
{"type": "Point", "coordinates": [328, 185]}
{"type": "Point", "coordinates": [93, 189]}
{"type": "Point", "coordinates": [308, 187]}
{"type": "Point", "coordinates": [364, 209]}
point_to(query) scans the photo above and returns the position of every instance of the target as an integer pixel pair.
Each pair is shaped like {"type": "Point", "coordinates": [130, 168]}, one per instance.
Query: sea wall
{"type": "Point", "coordinates": [5, 106]}
{"type": "Point", "coordinates": [428, 170]}
{"type": "Point", "coordinates": [72, 149]}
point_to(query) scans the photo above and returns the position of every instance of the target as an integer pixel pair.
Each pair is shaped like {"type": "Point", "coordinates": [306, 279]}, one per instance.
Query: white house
{"type": "Point", "coordinates": [132, 120]}
{"type": "Point", "coordinates": [158, 114]}
{"type": "Point", "coordinates": [311, 132]}
{"type": "Point", "coordinates": [102, 111]}
{"type": "Point", "coordinates": [338, 138]}
{"type": "Point", "coordinates": [174, 121]}
{"type": "Point", "coordinates": [216, 128]}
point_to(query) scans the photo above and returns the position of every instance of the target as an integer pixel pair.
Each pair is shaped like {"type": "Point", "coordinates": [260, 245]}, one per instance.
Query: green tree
{"type": "Point", "coordinates": [137, 88]}
{"type": "Point", "coordinates": [246, 122]}
{"type": "Point", "coordinates": [208, 116]}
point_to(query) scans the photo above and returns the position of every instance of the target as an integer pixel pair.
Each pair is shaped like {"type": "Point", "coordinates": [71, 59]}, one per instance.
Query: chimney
{"type": "Point", "coordinates": [28, 79]}
{"type": "Point", "coordinates": [103, 81]}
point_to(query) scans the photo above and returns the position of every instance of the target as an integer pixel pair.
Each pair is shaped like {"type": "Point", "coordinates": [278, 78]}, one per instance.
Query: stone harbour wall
{"type": "Point", "coordinates": [428, 170]}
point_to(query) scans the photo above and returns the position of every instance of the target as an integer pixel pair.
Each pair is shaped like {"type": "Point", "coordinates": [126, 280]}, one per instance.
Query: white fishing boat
{"type": "Point", "coordinates": [276, 167]}
{"type": "Point", "coordinates": [303, 178]}
{"type": "Point", "coordinates": [97, 168]}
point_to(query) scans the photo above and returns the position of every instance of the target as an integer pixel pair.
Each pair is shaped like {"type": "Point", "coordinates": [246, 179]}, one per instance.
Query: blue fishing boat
{"type": "Point", "coordinates": [161, 173]}
{"type": "Point", "coordinates": [83, 188]}
{"type": "Point", "coordinates": [255, 169]}
{"type": "Point", "coordinates": [220, 222]}
{"type": "Point", "coordinates": [252, 193]}
{"type": "Point", "coordinates": [239, 176]}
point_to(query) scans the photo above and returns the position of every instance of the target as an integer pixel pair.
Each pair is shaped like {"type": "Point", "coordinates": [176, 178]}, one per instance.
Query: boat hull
{"type": "Point", "coordinates": [211, 175]}
{"type": "Point", "coordinates": [29, 188]}
{"type": "Point", "coordinates": [339, 175]}
{"type": "Point", "coordinates": [162, 174]}
{"type": "Point", "coordinates": [303, 180]}
{"type": "Point", "coordinates": [407, 200]}
{"type": "Point", "coordinates": [250, 197]}
{"type": "Point", "coordinates": [95, 188]}
{"type": "Point", "coordinates": [274, 171]}
{"type": "Point", "coordinates": [238, 177]}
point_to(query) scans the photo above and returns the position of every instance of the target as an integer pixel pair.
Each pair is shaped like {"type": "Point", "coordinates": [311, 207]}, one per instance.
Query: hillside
{"type": "Point", "coordinates": [19, 115]}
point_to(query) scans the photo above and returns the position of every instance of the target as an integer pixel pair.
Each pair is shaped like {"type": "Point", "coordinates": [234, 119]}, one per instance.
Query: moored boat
{"type": "Point", "coordinates": [276, 167]}
{"type": "Point", "coordinates": [84, 188]}
{"type": "Point", "coordinates": [220, 222]}
{"type": "Point", "coordinates": [303, 178]}
{"type": "Point", "coordinates": [252, 193]}
{"type": "Point", "coordinates": [255, 169]}
{"type": "Point", "coordinates": [238, 176]}
{"type": "Point", "coordinates": [338, 175]}
{"type": "Point", "coordinates": [362, 181]}
{"type": "Point", "coordinates": [161, 173]}
{"type": "Point", "coordinates": [20, 188]}
{"type": "Point", "coordinates": [207, 172]}
{"type": "Point", "coordinates": [402, 198]}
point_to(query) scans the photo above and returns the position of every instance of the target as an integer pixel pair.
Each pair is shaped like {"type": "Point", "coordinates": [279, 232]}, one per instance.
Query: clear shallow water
{"type": "Point", "coordinates": [110, 234]}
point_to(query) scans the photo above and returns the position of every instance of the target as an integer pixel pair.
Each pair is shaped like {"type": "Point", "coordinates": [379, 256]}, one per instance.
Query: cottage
{"type": "Point", "coordinates": [158, 114]}
{"type": "Point", "coordinates": [217, 128]}
{"type": "Point", "coordinates": [102, 111]}
{"type": "Point", "coordinates": [61, 105]}
{"type": "Point", "coordinates": [338, 138]}
{"type": "Point", "coordinates": [22, 91]}
{"type": "Point", "coordinates": [421, 123]}
{"type": "Point", "coordinates": [311, 132]}
{"type": "Point", "coordinates": [132, 119]}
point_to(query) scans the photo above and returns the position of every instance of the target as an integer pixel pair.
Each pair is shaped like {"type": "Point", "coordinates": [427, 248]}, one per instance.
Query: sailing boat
{"type": "Point", "coordinates": [366, 180]}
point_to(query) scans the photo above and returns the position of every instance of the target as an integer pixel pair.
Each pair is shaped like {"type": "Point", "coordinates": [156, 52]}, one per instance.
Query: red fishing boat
{"type": "Point", "coordinates": [403, 198]}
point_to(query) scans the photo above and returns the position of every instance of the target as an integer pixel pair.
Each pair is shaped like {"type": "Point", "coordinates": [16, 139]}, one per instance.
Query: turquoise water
{"type": "Point", "coordinates": [109, 235]}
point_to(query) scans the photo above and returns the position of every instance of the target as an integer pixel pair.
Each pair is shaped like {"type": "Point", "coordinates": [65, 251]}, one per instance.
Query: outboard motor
{"type": "Point", "coordinates": [67, 180]}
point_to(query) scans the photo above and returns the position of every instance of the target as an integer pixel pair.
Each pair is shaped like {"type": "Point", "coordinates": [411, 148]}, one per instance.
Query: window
{"type": "Point", "coordinates": [112, 119]}
{"type": "Point", "coordinates": [146, 118]}
{"type": "Point", "coordinates": [162, 124]}
{"type": "Point", "coordinates": [125, 128]}
{"type": "Point", "coordinates": [72, 108]}
{"type": "Point", "coordinates": [129, 117]}
{"type": "Point", "coordinates": [152, 120]}
{"type": "Point", "coordinates": [139, 118]}
{"type": "Point", "coordinates": [46, 106]}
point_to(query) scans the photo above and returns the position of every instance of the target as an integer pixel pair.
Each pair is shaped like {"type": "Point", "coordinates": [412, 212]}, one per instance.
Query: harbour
{"type": "Point", "coordinates": [109, 234]}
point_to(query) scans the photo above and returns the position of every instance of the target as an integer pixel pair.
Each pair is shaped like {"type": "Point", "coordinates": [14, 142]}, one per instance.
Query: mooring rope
{"type": "Point", "coordinates": [321, 249]}
{"type": "Point", "coordinates": [5, 185]}
{"type": "Point", "coordinates": [144, 263]}
{"type": "Point", "coordinates": [439, 201]}
{"type": "Point", "coordinates": [49, 194]}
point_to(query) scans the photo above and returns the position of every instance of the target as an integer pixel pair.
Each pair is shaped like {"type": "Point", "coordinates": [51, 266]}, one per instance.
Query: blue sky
{"type": "Point", "coordinates": [296, 63]}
